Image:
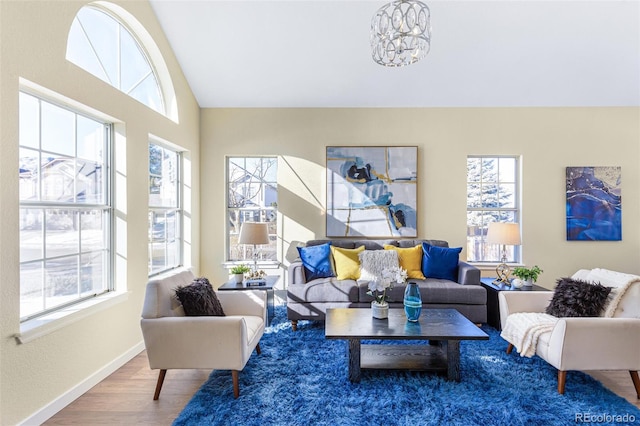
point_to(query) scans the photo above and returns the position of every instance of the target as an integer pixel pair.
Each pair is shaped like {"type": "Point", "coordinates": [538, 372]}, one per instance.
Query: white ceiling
{"type": "Point", "coordinates": [483, 54]}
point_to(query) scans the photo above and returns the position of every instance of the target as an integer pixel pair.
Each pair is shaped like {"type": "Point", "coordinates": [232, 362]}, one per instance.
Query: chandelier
{"type": "Point", "coordinates": [401, 33]}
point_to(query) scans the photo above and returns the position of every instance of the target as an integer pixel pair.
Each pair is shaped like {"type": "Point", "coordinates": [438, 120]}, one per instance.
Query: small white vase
{"type": "Point", "coordinates": [379, 310]}
{"type": "Point", "coordinates": [238, 277]}
{"type": "Point", "coordinates": [528, 283]}
{"type": "Point", "coordinates": [517, 283]}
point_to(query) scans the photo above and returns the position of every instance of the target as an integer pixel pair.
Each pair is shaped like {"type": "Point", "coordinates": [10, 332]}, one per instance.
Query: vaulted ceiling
{"type": "Point", "coordinates": [483, 54]}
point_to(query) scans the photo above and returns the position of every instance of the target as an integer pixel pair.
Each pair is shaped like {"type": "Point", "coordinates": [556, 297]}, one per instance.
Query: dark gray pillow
{"type": "Point", "coordinates": [576, 298]}
{"type": "Point", "coordinates": [199, 299]}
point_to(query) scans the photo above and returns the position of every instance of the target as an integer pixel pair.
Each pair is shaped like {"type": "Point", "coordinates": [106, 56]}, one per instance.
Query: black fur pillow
{"type": "Point", "coordinates": [198, 299]}
{"type": "Point", "coordinates": [576, 298]}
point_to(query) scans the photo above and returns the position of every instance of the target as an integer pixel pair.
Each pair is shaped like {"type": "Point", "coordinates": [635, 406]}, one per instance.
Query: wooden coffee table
{"type": "Point", "coordinates": [444, 328]}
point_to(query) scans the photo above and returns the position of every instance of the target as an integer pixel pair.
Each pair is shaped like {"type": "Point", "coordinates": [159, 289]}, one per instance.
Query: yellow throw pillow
{"type": "Point", "coordinates": [347, 262]}
{"type": "Point", "coordinates": [410, 259]}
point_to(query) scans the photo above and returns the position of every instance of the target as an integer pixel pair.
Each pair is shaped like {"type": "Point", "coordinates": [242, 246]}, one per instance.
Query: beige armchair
{"type": "Point", "coordinates": [584, 344]}
{"type": "Point", "coordinates": [174, 340]}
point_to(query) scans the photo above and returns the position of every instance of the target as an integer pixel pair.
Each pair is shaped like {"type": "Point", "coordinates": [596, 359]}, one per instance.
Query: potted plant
{"type": "Point", "coordinates": [528, 275]}
{"type": "Point", "coordinates": [378, 289]}
{"type": "Point", "coordinates": [238, 272]}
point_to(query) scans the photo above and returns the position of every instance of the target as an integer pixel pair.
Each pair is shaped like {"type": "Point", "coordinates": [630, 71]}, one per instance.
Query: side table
{"type": "Point", "coordinates": [493, 307]}
{"type": "Point", "coordinates": [271, 281]}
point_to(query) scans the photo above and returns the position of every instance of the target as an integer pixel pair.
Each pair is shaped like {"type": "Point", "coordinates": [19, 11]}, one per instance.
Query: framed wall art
{"type": "Point", "coordinates": [594, 204]}
{"type": "Point", "coordinates": [372, 191]}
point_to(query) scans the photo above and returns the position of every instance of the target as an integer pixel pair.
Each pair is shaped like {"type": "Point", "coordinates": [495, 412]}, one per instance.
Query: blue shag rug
{"type": "Point", "coordinates": [301, 379]}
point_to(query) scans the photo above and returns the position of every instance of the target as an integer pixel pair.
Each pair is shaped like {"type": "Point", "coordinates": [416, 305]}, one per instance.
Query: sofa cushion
{"type": "Point", "coordinates": [324, 290]}
{"type": "Point", "coordinates": [577, 298]}
{"type": "Point", "coordinates": [316, 261]}
{"type": "Point", "coordinates": [440, 262]}
{"type": "Point", "coordinates": [199, 299]}
{"type": "Point", "coordinates": [410, 260]}
{"type": "Point", "coordinates": [347, 262]}
{"type": "Point", "coordinates": [435, 291]}
{"type": "Point", "coordinates": [373, 262]}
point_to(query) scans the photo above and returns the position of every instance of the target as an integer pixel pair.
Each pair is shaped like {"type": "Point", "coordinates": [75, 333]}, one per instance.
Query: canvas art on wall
{"type": "Point", "coordinates": [594, 204]}
{"type": "Point", "coordinates": [372, 191]}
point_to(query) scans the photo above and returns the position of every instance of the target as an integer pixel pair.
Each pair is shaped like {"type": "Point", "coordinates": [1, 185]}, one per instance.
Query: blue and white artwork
{"type": "Point", "coordinates": [371, 192]}
{"type": "Point", "coordinates": [594, 204]}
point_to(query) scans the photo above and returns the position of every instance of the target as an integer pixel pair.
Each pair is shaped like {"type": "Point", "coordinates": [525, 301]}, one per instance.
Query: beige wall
{"type": "Point", "coordinates": [32, 46]}
{"type": "Point", "coordinates": [548, 139]}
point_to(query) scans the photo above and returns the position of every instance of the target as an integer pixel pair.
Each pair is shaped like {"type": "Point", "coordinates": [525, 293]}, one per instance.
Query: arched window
{"type": "Point", "coordinates": [106, 41]}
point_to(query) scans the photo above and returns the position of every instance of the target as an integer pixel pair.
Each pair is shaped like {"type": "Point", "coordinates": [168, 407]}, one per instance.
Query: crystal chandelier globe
{"type": "Point", "coordinates": [401, 33]}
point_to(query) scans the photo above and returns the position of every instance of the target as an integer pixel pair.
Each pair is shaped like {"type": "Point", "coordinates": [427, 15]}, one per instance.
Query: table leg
{"type": "Point", "coordinates": [453, 359]}
{"type": "Point", "coordinates": [354, 360]}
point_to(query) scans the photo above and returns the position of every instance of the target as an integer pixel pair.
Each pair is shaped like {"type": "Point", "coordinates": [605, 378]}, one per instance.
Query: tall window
{"type": "Point", "coordinates": [252, 197]}
{"type": "Point", "coordinates": [65, 211]}
{"type": "Point", "coordinates": [104, 47]}
{"type": "Point", "coordinates": [165, 209]}
{"type": "Point", "coordinates": [492, 196]}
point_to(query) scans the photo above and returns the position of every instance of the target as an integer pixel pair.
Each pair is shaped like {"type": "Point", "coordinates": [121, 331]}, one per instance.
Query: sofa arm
{"type": "Point", "coordinates": [595, 344]}
{"type": "Point", "coordinates": [246, 302]}
{"type": "Point", "coordinates": [468, 274]}
{"type": "Point", "coordinates": [522, 301]}
{"type": "Point", "coordinates": [296, 273]}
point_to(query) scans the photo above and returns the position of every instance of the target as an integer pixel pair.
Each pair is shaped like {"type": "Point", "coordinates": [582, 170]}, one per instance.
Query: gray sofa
{"type": "Point", "coordinates": [309, 301]}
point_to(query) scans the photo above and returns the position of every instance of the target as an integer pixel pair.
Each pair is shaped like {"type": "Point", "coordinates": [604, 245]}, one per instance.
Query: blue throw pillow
{"type": "Point", "coordinates": [316, 261]}
{"type": "Point", "coordinates": [440, 262]}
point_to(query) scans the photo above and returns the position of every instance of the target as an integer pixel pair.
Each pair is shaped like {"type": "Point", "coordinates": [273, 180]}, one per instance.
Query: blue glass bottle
{"type": "Point", "coordinates": [412, 302]}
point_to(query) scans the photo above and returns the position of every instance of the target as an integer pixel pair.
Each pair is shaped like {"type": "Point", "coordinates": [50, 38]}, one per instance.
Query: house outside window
{"type": "Point", "coordinates": [493, 195]}
{"type": "Point", "coordinates": [65, 206]}
{"type": "Point", "coordinates": [165, 209]}
{"type": "Point", "coordinates": [252, 197]}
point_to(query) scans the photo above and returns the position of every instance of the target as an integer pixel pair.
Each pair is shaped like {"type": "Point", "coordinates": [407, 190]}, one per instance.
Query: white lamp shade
{"type": "Point", "coordinates": [503, 233]}
{"type": "Point", "coordinates": [254, 233]}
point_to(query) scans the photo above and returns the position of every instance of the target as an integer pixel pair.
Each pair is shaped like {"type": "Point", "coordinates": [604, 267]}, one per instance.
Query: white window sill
{"type": "Point", "coordinates": [41, 326]}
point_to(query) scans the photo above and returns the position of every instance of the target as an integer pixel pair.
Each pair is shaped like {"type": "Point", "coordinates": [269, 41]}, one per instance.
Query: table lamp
{"type": "Point", "coordinates": [505, 234]}
{"type": "Point", "coordinates": [254, 233]}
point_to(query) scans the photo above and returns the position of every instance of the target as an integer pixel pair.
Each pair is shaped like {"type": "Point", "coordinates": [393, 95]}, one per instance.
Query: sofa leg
{"type": "Point", "coordinates": [636, 382]}
{"type": "Point", "coordinates": [562, 378]}
{"type": "Point", "coordinates": [258, 350]}
{"type": "Point", "coordinates": [236, 386]}
{"type": "Point", "coordinates": [509, 348]}
{"type": "Point", "coordinates": [161, 375]}
{"type": "Point", "coordinates": [294, 325]}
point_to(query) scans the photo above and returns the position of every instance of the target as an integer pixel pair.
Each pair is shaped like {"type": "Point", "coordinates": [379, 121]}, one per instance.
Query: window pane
{"type": "Point", "coordinates": [90, 139]}
{"type": "Point", "coordinates": [489, 170]}
{"type": "Point", "coordinates": [31, 235]}
{"type": "Point", "coordinates": [148, 92]}
{"type": "Point", "coordinates": [80, 52]}
{"type": "Point", "coordinates": [92, 274]}
{"type": "Point", "coordinates": [58, 130]}
{"type": "Point", "coordinates": [31, 292]}
{"type": "Point", "coordinates": [507, 168]}
{"type": "Point", "coordinates": [29, 114]}
{"type": "Point", "coordinates": [102, 31]}
{"type": "Point", "coordinates": [137, 66]}
{"type": "Point", "coordinates": [507, 195]}
{"type": "Point", "coordinates": [61, 281]}
{"type": "Point", "coordinates": [474, 169]}
{"type": "Point", "coordinates": [58, 183]}
{"type": "Point", "coordinates": [158, 255]}
{"type": "Point", "coordinates": [163, 177]}
{"type": "Point", "coordinates": [489, 196]}
{"type": "Point", "coordinates": [61, 231]}
{"type": "Point", "coordinates": [29, 178]}
{"type": "Point", "coordinates": [93, 231]}
{"type": "Point", "coordinates": [474, 198]}
{"type": "Point", "coordinates": [89, 184]}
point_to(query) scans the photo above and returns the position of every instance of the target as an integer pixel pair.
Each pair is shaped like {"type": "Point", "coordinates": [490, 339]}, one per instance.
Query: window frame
{"type": "Point", "coordinates": [228, 243]}
{"type": "Point", "coordinates": [514, 252]}
{"type": "Point", "coordinates": [178, 210]}
{"type": "Point", "coordinates": [106, 207]}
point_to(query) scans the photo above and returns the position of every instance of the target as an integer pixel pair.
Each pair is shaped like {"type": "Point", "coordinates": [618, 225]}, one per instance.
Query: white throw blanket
{"type": "Point", "coordinates": [620, 282]}
{"type": "Point", "coordinates": [523, 329]}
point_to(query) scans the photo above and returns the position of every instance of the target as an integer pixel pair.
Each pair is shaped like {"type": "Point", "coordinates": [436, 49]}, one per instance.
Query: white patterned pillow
{"type": "Point", "coordinates": [373, 262]}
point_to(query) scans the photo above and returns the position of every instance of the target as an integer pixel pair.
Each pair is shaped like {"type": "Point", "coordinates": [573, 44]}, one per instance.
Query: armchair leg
{"type": "Point", "coordinates": [509, 348]}
{"type": "Point", "coordinates": [636, 382]}
{"type": "Point", "coordinates": [562, 378]}
{"type": "Point", "coordinates": [294, 325]}
{"type": "Point", "coordinates": [161, 375]}
{"type": "Point", "coordinates": [258, 350]}
{"type": "Point", "coordinates": [236, 386]}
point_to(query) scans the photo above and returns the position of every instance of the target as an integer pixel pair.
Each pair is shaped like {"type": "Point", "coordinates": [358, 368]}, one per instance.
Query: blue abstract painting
{"type": "Point", "coordinates": [594, 204]}
{"type": "Point", "coordinates": [371, 191]}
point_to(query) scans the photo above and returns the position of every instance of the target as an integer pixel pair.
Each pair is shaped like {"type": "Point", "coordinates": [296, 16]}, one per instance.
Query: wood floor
{"type": "Point", "coordinates": [125, 397]}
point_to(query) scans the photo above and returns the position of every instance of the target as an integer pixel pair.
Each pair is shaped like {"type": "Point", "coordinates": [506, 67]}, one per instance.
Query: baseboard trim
{"type": "Point", "coordinates": [49, 410]}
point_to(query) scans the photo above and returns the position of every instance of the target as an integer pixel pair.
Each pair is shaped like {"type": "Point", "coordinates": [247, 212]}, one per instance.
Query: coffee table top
{"type": "Point", "coordinates": [434, 324]}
